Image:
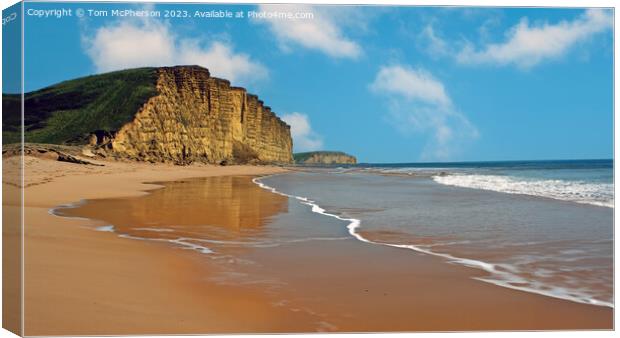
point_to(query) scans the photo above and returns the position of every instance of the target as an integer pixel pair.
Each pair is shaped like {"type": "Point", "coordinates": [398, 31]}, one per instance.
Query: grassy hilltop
{"type": "Point", "coordinates": [67, 112]}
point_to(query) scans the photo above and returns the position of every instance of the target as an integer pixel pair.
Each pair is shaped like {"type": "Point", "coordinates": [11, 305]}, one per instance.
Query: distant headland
{"type": "Point", "coordinates": [324, 157]}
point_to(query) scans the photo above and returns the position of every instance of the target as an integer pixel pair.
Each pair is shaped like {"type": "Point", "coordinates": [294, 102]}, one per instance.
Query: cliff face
{"type": "Point", "coordinates": [177, 115]}
{"type": "Point", "coordinates": [324, 157]}
{"type": "Point", "coordinates": [195, 117]}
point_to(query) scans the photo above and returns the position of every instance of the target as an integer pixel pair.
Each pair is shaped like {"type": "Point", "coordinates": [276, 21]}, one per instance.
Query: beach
{"type": "Point", "coordinates": [80, 281]}
{"type": "Point", "coordinates": [268, 264]}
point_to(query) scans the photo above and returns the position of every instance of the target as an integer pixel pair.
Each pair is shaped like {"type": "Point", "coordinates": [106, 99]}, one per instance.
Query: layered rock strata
{"type": "Point", "coordinates": [198, 118]}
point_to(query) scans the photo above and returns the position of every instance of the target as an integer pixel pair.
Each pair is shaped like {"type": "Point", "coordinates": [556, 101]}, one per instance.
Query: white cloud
{"type": "Point", "coordinates": [304, 138]}
{"type": "Point", "coordinates": [434, 45]}
{"type": "Point", "coordinates": [221, 61]}
{"type": "Point", "coordinates": [322, 32]}
{"type": "Point", "coordinates": [411, 83]}
{"type": "Point", "coordinates": [528, 45]}
{"type": "Point", "coordinates": [127, 45]}
{"type": "Point", "coordinates": [418, 103]}
{"type": "Point", "coordinates": [144, 43]}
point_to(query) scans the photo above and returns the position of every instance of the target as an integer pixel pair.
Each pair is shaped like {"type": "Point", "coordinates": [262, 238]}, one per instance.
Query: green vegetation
{"type": "Point", "coordinates": [301, 157]}
{"type": "Point", "coordinates": [66, 113]}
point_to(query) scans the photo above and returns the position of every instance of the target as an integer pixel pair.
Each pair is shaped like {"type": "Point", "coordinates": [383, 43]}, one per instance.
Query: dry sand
{"type": "Point", "coordinates": [83, 282]}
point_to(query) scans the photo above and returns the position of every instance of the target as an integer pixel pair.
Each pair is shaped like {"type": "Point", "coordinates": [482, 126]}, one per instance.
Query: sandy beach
{"type": "Point", "coordinates": [79, 281]}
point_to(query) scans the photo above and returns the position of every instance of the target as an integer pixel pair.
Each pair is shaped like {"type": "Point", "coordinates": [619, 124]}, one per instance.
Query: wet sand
{"type": "Point", "coordinates": [84, 282]}
{"type": "Point", "coordinates": [306, 263]}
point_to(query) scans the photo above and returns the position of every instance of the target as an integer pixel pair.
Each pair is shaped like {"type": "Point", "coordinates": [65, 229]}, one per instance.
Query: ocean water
{"type": "Point", "coordinates": [544, 227]}
{"type": "Point", "coordinates": [581, 181]}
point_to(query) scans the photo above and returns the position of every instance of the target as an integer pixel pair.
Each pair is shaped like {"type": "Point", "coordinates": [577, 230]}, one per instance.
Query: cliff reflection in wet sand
{"type": "Point", "coordinates": [209, 209]}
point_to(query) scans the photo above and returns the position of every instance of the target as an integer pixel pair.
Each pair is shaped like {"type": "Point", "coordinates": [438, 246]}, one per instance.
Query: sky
{"type": "Point", "coordinates": [386, 84]}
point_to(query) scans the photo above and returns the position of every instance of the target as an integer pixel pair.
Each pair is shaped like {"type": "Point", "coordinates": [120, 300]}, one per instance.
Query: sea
{"type": "Point", "coordinates": [544, 227]}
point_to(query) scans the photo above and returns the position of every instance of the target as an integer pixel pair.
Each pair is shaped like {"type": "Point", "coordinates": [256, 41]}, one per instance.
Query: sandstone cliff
{"type": "Point", "coordinates": [324, 157]}
{"type": "Point", "coordinates": [196, 117]}
{"type": "Point", "coordinates": [172, 114]}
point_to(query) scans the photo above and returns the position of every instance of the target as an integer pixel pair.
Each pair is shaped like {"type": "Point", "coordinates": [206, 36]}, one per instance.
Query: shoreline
{"type": "Point", "coordinates": [78, 281]}
{"type": "Point", "coordinates": [39, 304]}
{"type": "Point", "coordinates": [489, 268]}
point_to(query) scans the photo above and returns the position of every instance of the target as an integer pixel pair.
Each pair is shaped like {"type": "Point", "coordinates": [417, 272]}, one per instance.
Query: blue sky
{"type": "Point", "coordinates": [387, 84]}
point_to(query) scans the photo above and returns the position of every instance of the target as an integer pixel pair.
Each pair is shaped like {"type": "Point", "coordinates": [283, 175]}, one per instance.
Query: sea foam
{"type": "Point", "coordinates": [499, 274]}
{"type": "Point", "coordinates": [600, 194]}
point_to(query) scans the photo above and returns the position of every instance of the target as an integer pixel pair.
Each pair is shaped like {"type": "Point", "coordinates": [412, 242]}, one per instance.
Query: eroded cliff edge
{"type": "Point", "coordinates": [171, 114]}
{"type": "Point", "coordinates": [196, 117]}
